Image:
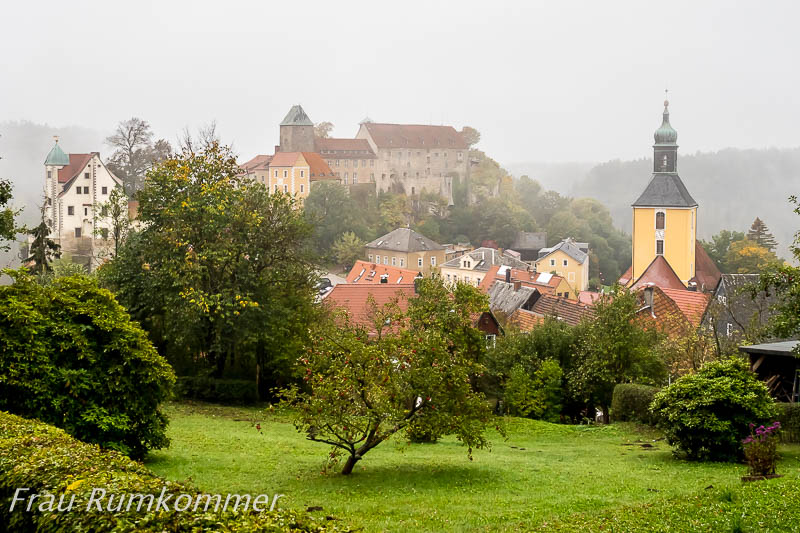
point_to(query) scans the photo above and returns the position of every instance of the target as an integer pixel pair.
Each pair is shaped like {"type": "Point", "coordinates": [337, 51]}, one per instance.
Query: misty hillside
{"type": "Point", "coordinates": [23, 149]}
{"type": "Point", "coordinates": [732, 187]}
{"type": "Point", "coordinates": [559, 177]}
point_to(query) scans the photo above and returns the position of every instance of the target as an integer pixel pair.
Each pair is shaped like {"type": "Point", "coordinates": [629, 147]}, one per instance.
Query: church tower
{"type": "Point", "coordinates": [297, 131]}
{"type": "Point", "coordinates": [665, 215]}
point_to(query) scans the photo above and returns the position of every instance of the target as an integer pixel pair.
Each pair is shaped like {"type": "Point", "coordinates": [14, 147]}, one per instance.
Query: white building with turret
{"type": "Point", "coordinates": [76, 187]}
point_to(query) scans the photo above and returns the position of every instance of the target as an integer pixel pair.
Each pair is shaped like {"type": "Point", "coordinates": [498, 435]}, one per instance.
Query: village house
{"type": "Point", "coordinates": [364, 304]}
{"type": "Point", "coordinates": [405, 248]}
{"type": "Point", "coordinates": [365, 272]}
{"type": "Point", "coordinates": [76, 187]}
{"type": "Point", "coordinates": [568, 259]}
{"type": "Point", "coordinates": [544, 282]}
{"type": "Point", "coordinates": [472, 267]}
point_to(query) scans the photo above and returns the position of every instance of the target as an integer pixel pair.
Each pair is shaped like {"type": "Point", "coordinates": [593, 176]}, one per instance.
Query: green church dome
{"type": "Point", "coordinates": [666, 134]}
{"type": "Point", "coordinates": [57, 157]}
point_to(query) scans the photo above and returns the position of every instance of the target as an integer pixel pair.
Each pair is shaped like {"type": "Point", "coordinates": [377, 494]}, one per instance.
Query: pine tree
{"type": "Point", "coordinates": [759, 232]}
{"type": "Point", "coordinates": [43, 250]}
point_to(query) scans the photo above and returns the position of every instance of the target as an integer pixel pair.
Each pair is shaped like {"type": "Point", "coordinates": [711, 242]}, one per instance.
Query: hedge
{"type": "Point", "coordinates": [231, 391]}
{"type": "Point", "coordinates": [46, 459]}
{"type": "Point", "coordinates": [631, 403]}
{"type": "Point", "coordinates": [789, 417]}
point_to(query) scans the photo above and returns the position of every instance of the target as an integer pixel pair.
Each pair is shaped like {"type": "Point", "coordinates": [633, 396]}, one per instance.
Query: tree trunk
{"type": "Point", "coordinates": [348, 466]}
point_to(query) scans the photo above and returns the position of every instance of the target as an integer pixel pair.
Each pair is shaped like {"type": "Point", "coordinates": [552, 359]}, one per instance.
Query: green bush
{"type": "Point", "coordinates": [631, 403]}
{"type": "Point", "coordinates": [789, 417]}
{"type": "Point", "coordinates": [707, 414]}
{"type": "Point", "coordinates": [70, 356]}
{"type": "Point", "coordinates": [47, 460]}
{"type": "Point", "coordinates": [535, 396]}
{"type": "Point", "coordinates": [229, 391]}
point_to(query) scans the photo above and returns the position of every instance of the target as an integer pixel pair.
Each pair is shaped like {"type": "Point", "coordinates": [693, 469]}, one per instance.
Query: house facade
{"type": "Point", "coordinates": [76, 186]}
{"type": "Point", "coordinates": [412, 159]}
{"type": "Point", "coordinates": [405, 248]}
{"type": "Point", "coordinates": [473, 266]}
{"type": "Point", "coordinates": [568, 259]}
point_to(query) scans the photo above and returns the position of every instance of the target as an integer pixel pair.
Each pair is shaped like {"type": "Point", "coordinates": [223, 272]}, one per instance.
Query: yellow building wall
{"type": "Point", "coordinates": [680, 230]}
{"type": "Point", "coordinates": [577, 274]}
{"type": "Point", "coordinates": [407, 260]}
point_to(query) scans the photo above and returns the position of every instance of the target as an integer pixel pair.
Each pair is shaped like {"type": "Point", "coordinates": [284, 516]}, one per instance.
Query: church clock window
{"type": "Point", "coordinates": [660, 247]}
{"type": "Point", "coordinates": [660, 219]}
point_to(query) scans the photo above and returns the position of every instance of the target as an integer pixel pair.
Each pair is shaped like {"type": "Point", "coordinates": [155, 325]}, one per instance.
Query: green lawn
{"type": "Point", "coordinates": [537, 478]}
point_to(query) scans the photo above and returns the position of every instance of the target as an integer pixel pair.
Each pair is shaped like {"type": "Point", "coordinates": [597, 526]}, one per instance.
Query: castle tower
{"type": "Point", "coordinates": [297, 131]}
{"type": "Point", "coordinates": [665, 215]}
{"type": "Point", "coordinates": [55, 161]}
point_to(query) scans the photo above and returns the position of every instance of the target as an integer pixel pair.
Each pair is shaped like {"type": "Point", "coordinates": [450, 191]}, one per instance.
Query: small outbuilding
{"type": "Point", "coordinates": [777, 364]}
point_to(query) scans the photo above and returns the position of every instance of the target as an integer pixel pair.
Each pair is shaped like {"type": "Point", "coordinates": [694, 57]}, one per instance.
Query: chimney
{"type": "Point", "coordinates": [648, 300]}
{"type": "Point", "coordinates": [508, 275]}
{"type": "Point", "coordinates": [517, 285]}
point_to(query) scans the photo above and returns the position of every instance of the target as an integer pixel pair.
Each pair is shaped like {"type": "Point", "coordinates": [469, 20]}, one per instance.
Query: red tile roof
{"type": "Point", "coordinates": [706, 274]}
{"type": "Point", "coordinates": [415, 136]}
{"type": "Point", "coordinates": [319, 168]}
{"type": "Point", "coordinates": [625, 278]}
{"type": "Point", "coordinates": [527, 278]}
{"type": "Point", "coordinates": [588, 297]}
{"type": "Point", "coordinates": [570, 311]}
{"type": "Point", "coordinates": [525, 320]}
{"type": "Point", "coordinates": [284, 159]}
{"type": "Point", "coordinates": [360, 146]}
{"type": "Point", "coordinates": [355, 299]}
{"type": "Point", "coordinates": [77, 162]}
{"type": "Point", "coordinates": [659, 273]}
{"type": "Point", "coordinates": [259, 162]}
{"type": "Point", "coordinates": [364, 272]}
{"type": "Point", "coordinates": [664, 314]}
{"type": "Point", "coordinates": [692, 304]}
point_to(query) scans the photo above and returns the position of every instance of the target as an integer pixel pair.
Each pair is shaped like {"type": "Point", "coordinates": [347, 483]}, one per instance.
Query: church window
{"type": "Point", "coordinates": [302, 173]}
{"type": "Point", "coordinates": [660, 247]}
{"type": "Point", "coordinates": [276, 173]}
{"type": "Point", "coordinates": [660, 219]}
{"type": "Point", "coordinates": [285, 188]}
{"type": "Point", "coordinates": [302, 188]}
{"type": "Point", "coordinates": [285, 173]}
{"type": "Point", "coordinates": [70, 210]}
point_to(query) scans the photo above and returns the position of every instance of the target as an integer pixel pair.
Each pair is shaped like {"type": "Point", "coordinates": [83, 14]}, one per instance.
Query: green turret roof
{"type": "Point", "coordinates": [57, 157]}
{"type": "Point", "coordinates": [666, 134]}
{"type": "Point", "coordinates": [296, 117]}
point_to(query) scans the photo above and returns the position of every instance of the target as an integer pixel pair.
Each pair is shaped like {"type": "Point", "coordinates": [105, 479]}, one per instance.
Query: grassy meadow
{"type": "Point", "coordinates": [543, 476]}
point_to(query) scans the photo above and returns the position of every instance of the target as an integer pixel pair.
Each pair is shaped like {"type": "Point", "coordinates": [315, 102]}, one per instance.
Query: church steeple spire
{"type": "Point", "coordinates": [665, 150]}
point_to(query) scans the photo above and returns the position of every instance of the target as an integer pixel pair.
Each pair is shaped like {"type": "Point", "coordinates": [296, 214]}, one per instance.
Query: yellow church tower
{"type": "Point", "coordinates": [665, 215]}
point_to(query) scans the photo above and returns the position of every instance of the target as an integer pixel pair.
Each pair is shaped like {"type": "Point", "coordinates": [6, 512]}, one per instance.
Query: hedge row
{"type": "Point", "coordinates": [789, 417]}
{"type": "Point", "coordinates": [46, 459]}
{"type": "Point", "coordinates": [230, 391]}
{"type": "Point", "coordinates": [631, 403]}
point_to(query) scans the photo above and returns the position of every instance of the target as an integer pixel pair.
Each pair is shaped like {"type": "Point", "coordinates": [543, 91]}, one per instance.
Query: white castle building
{"type": "Point", "coordinates": [76, 186]}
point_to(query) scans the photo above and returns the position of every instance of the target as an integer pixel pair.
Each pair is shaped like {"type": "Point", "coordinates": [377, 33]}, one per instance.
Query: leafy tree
{"type": "Point", "coordinates": [748, 257]}
{"type": "Point", "coordinates": [470, 135]}
{"type": "Point", "coordinates": [719, 245]}
{"type": "Point", "coordinates": [707, 414]}
{"type": "Point", "coordinates": [135, 152]}
{"type": "Point", "coordinates": [538, 395]}
{"type": "Point", "coordinates": [613, 349]}
{"type": "Point", "coordinates": [348, 248]}
{"type": "Point", "coordinates": [61, 268]}
{"type": "Point", "coordinates": [218, 273]}
{"type": "Point", "coordinates": [395, 212]}
{"type": "Point", "coordinates": [114, 213]}
{"type": "Point", "coordinates": [332, 212]}
{"type": "Point", "coordinates": [759, 233]}
{"type": "Point", "coordinates": [323, 129]}
{"type": "Point", "coordinates": [43, 249]}
{"type": "Point", "coordinates": [784, 281]}
{"type": "Point", "coordinates": [361, 391]}
{"type": "Point", "coordinates": [71, 356]}
{"type": "Point", "coordinates": [8, 229]}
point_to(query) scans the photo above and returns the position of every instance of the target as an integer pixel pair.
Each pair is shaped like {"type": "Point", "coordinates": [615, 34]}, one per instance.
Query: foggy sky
{"type": "Point", "coordinates": [542, 81]}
